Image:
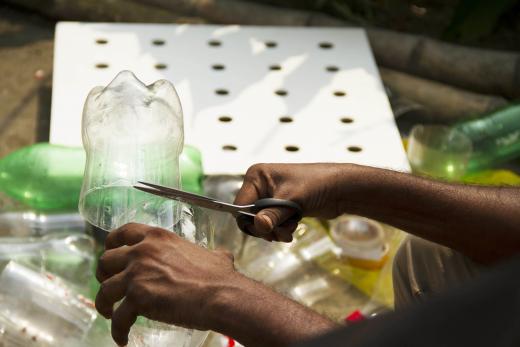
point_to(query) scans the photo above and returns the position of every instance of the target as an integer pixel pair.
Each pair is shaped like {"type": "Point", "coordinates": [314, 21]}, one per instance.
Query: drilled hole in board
{"type": "Point", "coordinates": [161, 66]}
{"type": "Point", "coordinates": [332, 68]}
{"type": "Point", "coordinates": [275, 67]}
{"type": "Point", "coordinates": [221, 92]}
{"type": "Point", "coordinates": [354, 149]}
{"type": "Point", "coordinates": [326, 45]}
{"type": "Point", "coordinates": [346, 120]}
{"type": "Point", "coordinates": [218, 67]}
{"type": "Point", "coordinates": [286, 119]}
{"type": "Point", "coordinates": [229, 148]}
{"type": "Point", "coordinates": [101, 41]}
{"type": "Point", "coordinates": [339, 93]}
{"type": "Point", "coordinates": [158, 42]}
{"type": "Point", "coordinates": [281, 92]}
{"type": "Point", "coordinates": [214, 43]}
{"type": "Point", "coordinates": [101, 65]}
{"type": "Point", "coordinates": [292, 148]}
{"type": "Point", "coordinates": [225, 119]}
{"type": "Point", "coordinates": [271, 44]}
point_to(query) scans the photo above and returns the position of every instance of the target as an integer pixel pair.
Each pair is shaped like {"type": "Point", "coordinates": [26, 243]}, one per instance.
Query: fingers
{"type": "Point", "coordinates": [284, 233]}
{"type": "Point", "coordinates": [111, 291]}
{"type": "Point", "coordinates": [247, 194]}
{"type": "Point", "coordinates": [127, 235]}
{"type": "Point", "coordinates": [112, 262]}
{"type": "Point", "coordinates": [267, 219]}
{"type": "Point", "coordinates": [122, 320]}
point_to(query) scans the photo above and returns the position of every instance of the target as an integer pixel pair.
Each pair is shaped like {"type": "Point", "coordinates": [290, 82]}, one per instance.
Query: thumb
{"type": "Point", "coordinates": [269, 218]}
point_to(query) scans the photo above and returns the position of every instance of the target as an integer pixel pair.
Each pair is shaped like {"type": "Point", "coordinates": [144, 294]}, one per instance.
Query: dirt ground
{"type": "Point", "coordinates": [26, 50]}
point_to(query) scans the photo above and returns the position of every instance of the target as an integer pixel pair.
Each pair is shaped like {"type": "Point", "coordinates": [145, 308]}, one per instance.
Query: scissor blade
{"type": "Point", "coordinates": [189, 198]}
{"type": "Point", "coordinates": [173, 191]}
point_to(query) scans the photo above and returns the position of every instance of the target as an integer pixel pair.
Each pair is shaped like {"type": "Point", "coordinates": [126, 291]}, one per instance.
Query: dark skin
{"type": "Point", "coordinates": [162, 277]}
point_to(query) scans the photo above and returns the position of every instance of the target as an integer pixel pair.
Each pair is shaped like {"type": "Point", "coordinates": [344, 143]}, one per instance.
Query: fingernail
{"type": "Point", "coordinates": [268, 221]}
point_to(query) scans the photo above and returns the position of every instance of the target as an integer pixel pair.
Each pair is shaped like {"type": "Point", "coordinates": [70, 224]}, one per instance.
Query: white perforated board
{"type": "Point", "coordinates": [334, 110]}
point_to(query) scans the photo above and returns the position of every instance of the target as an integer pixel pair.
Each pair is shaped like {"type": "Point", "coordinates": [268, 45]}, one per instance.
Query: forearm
{"type": "Point", "coordinates": [257, 316]}
{"type": "Point", "coordinates": [480, 222]}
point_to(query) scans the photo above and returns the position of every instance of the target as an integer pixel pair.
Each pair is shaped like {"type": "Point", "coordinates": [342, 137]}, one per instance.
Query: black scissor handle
{"type": "Point", "coordinates": [244, 221]}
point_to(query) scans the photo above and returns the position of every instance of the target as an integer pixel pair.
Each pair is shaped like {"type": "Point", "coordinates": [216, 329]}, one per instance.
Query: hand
{"type": "Point", "coordinates": [159, 276]}
{"type": "Point", "coordinates": [313, 186]}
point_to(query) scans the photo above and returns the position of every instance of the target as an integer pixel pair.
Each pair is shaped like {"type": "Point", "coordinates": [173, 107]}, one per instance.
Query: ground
{"type": "Point", "coordinates": [26, 48]}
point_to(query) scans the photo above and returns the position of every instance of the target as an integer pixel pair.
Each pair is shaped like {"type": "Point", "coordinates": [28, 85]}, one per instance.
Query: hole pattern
{"type": "Point", "coordinates": [275, 67]}
{"type": "Point", "coordinates": [326, 45]}
{"type": "Point", "coordinates": [221, 91]}
{"type": "Point", "coordinates": [281, 92]}
{"type": "Point", "coordinates": [161, 66]}
{"type": "Point", "coordinates": [339, 93]}
{"type": "Point", "coordinates": [354, 149]}
{"type": "Point", "coordinates": [101, 65]}
{"type": "Point", "coordinates": [218, 67]}
{"type": "Point", "coordinates": [214, 43]}
{"type": "Point", "coordinates": [332, 68]}
{"type": "Point", "coordinates": [346, 120]}
{"type": "Point", "coordinates": [101, 41]}
{"type": "Point", "coordinates": [229, 148]}
{"type": "Point", "coordinates": [225, 119]}
{"type": "Point", "coordinates": [158, 42]}
{"type": "Point", "coordinates": [292, 148]}
{"type": "Point", "coordinates": [286, 119]}
{"type": "Point", "coordinates": [271, 44]}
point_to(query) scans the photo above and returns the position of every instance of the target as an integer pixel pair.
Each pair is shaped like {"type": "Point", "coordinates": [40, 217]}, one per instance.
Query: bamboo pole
{"type": "Point", "coordinates": [441, 102]}
{"type": "Point", "coordinates": [248, 13]}
{"type": "Point", "coordinates": [105, 10]}
{"type": "Point", "coordinates": [480, 70]}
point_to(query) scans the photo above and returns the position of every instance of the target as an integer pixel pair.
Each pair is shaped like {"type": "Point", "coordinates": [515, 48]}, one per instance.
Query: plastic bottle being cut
{"type": "Point", "coordinates": [133, 132]}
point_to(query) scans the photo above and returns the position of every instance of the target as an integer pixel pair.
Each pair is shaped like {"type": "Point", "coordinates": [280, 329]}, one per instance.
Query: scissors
{"type": "Point", "coordinates": [244, 214]}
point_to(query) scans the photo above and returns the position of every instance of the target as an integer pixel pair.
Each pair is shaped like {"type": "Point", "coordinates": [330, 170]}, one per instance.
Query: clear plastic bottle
{"type": "Point", "coordinates": [133, 132]}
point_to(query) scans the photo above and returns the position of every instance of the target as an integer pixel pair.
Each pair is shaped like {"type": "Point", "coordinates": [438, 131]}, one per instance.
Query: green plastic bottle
{"type": "Point", "coordinates": [48, 177]}
{"type": "Point", "coordinates": [43, 176]}
{"type": "Point", "coordinates": [495, 137]}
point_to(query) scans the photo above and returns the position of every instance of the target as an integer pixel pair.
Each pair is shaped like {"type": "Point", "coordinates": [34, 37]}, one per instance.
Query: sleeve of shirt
{"type": "Point", "coordinates": [484, 312]}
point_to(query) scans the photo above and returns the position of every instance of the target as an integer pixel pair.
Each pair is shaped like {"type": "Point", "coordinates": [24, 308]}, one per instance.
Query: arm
{"type": "Point", "coordinates": [480, 222]}
{"type": "Point", "coordinates": [162, 277]}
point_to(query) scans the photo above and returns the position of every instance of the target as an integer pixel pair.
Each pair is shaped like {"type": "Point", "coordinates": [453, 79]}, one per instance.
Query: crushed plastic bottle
{"type": "Point", "coordinates": [40, 309]}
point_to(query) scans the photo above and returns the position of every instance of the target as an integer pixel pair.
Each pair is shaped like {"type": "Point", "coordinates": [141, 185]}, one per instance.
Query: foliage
{"type": "Point", "coordinates": [476, 18]}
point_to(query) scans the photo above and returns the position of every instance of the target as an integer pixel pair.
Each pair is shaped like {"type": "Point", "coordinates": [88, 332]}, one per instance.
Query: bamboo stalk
{"type": "Point", "coordinates": [248, 13]}
{"type": "Point", "coordinates": [94, 10]}
{"type": "Point", "coordinates": [480, 70]}
{"type": "Point", "coordinates": [441, 102]}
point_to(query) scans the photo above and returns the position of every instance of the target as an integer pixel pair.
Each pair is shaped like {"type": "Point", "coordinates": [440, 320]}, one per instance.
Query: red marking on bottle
{"type": "Point", "coordinates": [230, 342]}
{"type": "Point", "coordinates": [355, 316]}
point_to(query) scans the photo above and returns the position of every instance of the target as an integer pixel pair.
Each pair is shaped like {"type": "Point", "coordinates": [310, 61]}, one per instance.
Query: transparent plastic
{"type": "Point", "coordinates": [70, 256]}
{"type": "Point", "coordinates": [130, 132]}
{"type": "Point", "coordinates": [361, 241]}
{"type": "Point", "coordinates": [438, 151]}
{"type": "Point", "coordinates": [40, 309]}
{"type": "Point", "coordinates": [133, 132]}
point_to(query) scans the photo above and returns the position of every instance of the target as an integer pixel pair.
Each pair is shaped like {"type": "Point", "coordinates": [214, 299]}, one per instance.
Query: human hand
{"type": "Point", "coordinates": [159, 276]}
{"type": "Point", "coordinates": [312, 186]}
